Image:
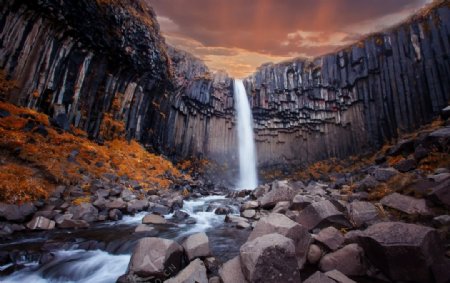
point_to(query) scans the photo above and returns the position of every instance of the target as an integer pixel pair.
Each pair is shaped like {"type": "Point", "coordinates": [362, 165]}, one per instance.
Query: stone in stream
{"type": "Point", "coordinates": [252, 204]}
{"type": "Point", "coordinates": [222, 210]}
{"type": "Point", "coordinates": [249, 213]}
{"type": "Point", "coordinates": [195, 272]}
{"type": "Point", "coordinates": [281, 224]}
{"type": "Point", "coordinates": [280, 191]}
{"type": "Point", "coordinates": [41, 223]}
{"type": "Point", "coordinates": [406, 204]}
{"type": "Point", "coordinates": [322, 214]}
{"type": "Point", "coordinates": [330, 237]}
{"type": "Point", "coordinates": [71, 223]}
{"type": "Point", "coordinates": [137, 205]}
{"type": "Point", "coordinates": [156, 257]}
{"type": "Point", "coordinates": [153, 219]}
{"type": "Point", "coordinates": [197, 245]}
{"type": "Point", "coordinates": [349, 260]}
{"type": "Point", "coordinates": [231, 271]}
{"type": "Point", "coordinates": [319, 277]}
{"type": "Point", "coordinates": [144, 228]}
{"type": "Point", "coordinates": [404, 252]}
{"type": "Point", "coordinates": [240, 222]}
{"type": "Point", "coordinates": [115, 214]}
{"type": "Point", "coordinates": [362, 213]}
{"type": "Point", "coordinates": [160, 209]}
{"type": "Point", "coordinates": [270, 258]}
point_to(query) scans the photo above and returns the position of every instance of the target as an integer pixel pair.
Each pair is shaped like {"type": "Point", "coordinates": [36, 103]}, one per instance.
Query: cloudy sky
{"type": "Point", "coordinates": [239, 35]}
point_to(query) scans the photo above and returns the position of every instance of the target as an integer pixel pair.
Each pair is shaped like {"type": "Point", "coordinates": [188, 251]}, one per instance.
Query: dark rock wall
{"type": "Point", "coordinates": [78, 59]}
{"type": "Point", "coordinates": [333, 106]}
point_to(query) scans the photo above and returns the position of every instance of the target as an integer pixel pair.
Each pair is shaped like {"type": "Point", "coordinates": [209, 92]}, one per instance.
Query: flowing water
{"type": "Point", "coordinates": [247, 152]}
{"type": "Point", "coordinates": [102, 252]}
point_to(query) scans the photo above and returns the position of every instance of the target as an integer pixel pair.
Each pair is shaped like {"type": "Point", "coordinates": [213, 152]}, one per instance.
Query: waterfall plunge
{"type": "Point", "coordinates": [247, 152]}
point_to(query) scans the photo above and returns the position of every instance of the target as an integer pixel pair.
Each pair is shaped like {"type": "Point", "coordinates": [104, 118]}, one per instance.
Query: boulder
{"type": "Point", "coordinates": [416, 247]}
{"type": "Point", "coordinates": [153, 219]}
{"type": "Point", "coordinates": [319, 277]}
{"type": "Point", "coordinates": [281, 207]}
{"type": "Point", "coordinates": [180, 215]}
{"type": "Point", "coordinates": [237, 220]}
{"type": "Point", "coordinates": [362, 213]}
{"type": "Point", "coordinates": [406, 204]}
{"type": "Point", "coordinates": [41, 223]}
{"type": "Point", "coordinates": [270, 258]}
{"type": "Point", "coordinates": [231, 271]}
{"type": "Point", "coordinates": [330, 237]}
{"type": "Point", "coordinates": [349, 260]}
{"type": "Point", "coordinates": [321, 214]}
{"type": "Point", "coordinates": [253, 204]}
{"type": "Point", "coordinates": [156, 258]}
{"type": "Point", "coordinates": [197, 245]}
{"type": "Point", "coordinates": [338, 276]}
{"type": "Point", "coordinates": [13, 212]}
{"type": "Point", "coordinates": [249, 213]}
{"type": "Point", "coordinates": [314, 254]}
{"type": "Point", "coordinates": [440, 138]}
{"type": "Point", "coordinates": [195, 272]}
{"type": "Point", "coordinates": [137, 205]}
{"type": "Point", "coordinates": [280, 191]}
{"type": "Point", "coordinates": [301, 201]}
{"type": "Point", "coordinates": [406, 165]}
{"type": "Point", "coordinates": [212, 265]}
{"type": "Point", "coordinates": [144, 228]}
{"type": "Point", "coordinates": [281, 224]}
{"type": "Point", "coordinates": [160, 209]}
{"type": "Point", "coordinates": [116, 204]}
{"type": "Point", "coordinates": [222, 210]}
{"type": "Point", "coordinates": [71, 223]}
{"type": "Point", "coordinates": [384, 174]}
{"type": "Point", "coordinates": [440, 194]}
{"type": "Point", "coordinates": [115, 214]}
{"type": "Point", "coordinates": [402, 147]}
{"type": "Point", "coordinates": [84, 211]}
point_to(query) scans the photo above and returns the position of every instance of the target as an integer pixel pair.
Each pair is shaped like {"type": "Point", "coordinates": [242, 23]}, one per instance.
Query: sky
{"type": "Point", "coordinates": [239, 35]}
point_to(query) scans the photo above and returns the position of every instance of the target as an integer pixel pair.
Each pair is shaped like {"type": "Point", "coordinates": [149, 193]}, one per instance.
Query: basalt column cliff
{"type": "Point", "coordinates": [333, 106]}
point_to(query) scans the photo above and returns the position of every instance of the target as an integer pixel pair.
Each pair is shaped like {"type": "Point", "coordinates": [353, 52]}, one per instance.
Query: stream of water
{"type": "Point", "coordinates": [102, 252]}
{"type": "Point", "coordinates": [248, 178]}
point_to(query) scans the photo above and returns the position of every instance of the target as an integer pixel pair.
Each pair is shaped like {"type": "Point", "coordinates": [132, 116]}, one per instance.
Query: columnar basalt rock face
{"type": "Point", "coordinates": [99, 64]}
{"type": "Point", "coordinates": [333, 106]}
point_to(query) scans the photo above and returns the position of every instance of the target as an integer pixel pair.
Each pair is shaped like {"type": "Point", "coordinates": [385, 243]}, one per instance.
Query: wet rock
{"type": "Point", "coordinates": [243, 225]}
{"type": "Point", "coordinates": [115, 214]}
{"type": "Point", "coordinates": [144, 228]}
{"type": "Point", "coordinates": [249, 213]}
{"type": "Point", "coordinates": [440, 194]}
{"type": "Point", "coordinates": [416, 247]}
{"type": "Point", "coordinates": [137, 205]}
{"type": "Point", "coordinates": [212, 265]}
{"type": "Point", "coordinates": [440, 138]}
{"type": "Point", "coordinates": [222, 210]}
{"type": "Point", "coordinates": [12, 212]}
{"type": "Point", "coordinates": [406, 165]}
{"type": "Point", "coordinates": [241, 221]}
{"type": "Point", "coordinates": [156, 257]}
{"type": "Point", "coordinates": [197, 245]}
{"type": "Point", "coordinates": [319, 277]}
{"type": "Point", "coordinates": [231, 271]}
{"type": "Point", "coordinates": [41, 223]}
{"type": "Point", "coordinates": [281, 224]}
{"type": "Point", "coordinates": [194, 272]}
{"type": "Point", "coordinates": [330, 237]}
{"type": "Point", "coordinates": [160, 209]}
{"type": "Point", "coordinates": [338, 277]}
{"type": "Point", "coordinates": [314, 254]}
{"type": "Point", "coordinates": [362, 213]}
{"type": "Point", "coordinates": [406, 204]}
{"type": "Point", "coordinates": [384, 174]}
{"type": "Point", "coordinates": [84, 211]}
{"type": "Point", "coordinates": [116, 204]}
{"type": "Point", "coordinates": [322, 214]}
{"type": "Point", "coordinates": [349, 260]}
{"type": "Point", "coordinates": [153, 219]}
{"type": "Point", "coordinates": [280, 191]}
{"type": "Point", "coordinates": [72, 224]}
{"type": "Point", "coordinates": [180, 215]}
{"type": "Point", "coordinates": [270, 258]}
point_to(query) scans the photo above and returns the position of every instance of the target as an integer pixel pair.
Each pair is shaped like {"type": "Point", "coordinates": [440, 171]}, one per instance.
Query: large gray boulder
{"type": "Point", "coordinates": [153, 219]}
{"type": "Point", "coordinates": [231, 271]}
{"type": "Point", "coordinates": [197, 245]}
{"type": "Point", "coordinates": [156, 258]}
{"type": "Point", "coordinates": [280, 191]}
{"type": "Point", "coordinates": [322, 214]}
{"type": "Point", "coordinates": [330, 237]}
{"type": "Point", "coordinates": [362, 213]}
{"type": "Point", "coordinates": [269, 259]}
{"type": "Point", "coordinates": [349, 260]}
{"type": "Point", "coordinates": [440, 194]}
{"type": "Point", "coordinates": [406, 204]}
{"type": "Point", "coordinates": [84, 211]}
{"type": "Point", "coordinates": [195, 272]}
{"type": "Point", "coordinates": [404, 252]}
{"type": "Point", "coordinates": [13, 212]}
{"type": "Point", "coordinates": [281, 224]}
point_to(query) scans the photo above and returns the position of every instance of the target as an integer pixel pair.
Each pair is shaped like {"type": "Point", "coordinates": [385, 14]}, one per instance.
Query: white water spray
{"type": "Point", "coordinates": [247, 152]}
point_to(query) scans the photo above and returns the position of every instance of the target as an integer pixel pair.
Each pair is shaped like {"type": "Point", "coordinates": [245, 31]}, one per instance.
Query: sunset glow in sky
{"type": "Point", "coordinates": [240, 35]}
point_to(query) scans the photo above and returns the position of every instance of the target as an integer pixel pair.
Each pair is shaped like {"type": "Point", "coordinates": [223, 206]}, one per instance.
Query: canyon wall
{"type": "Point", "coordinates": [97, 65]}
{"type": "Point", "coordinates": [336, 105]}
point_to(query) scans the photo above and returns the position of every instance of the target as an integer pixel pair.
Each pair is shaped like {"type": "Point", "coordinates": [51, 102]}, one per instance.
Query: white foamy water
{"type": "Point", "coordinates": [74, 266]}
{"type": "Point", "coordinates": [247, 152]}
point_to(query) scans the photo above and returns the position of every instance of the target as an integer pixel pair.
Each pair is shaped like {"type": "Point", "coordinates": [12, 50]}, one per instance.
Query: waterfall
{"type": "Point", "coordinates": [247, 152]}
